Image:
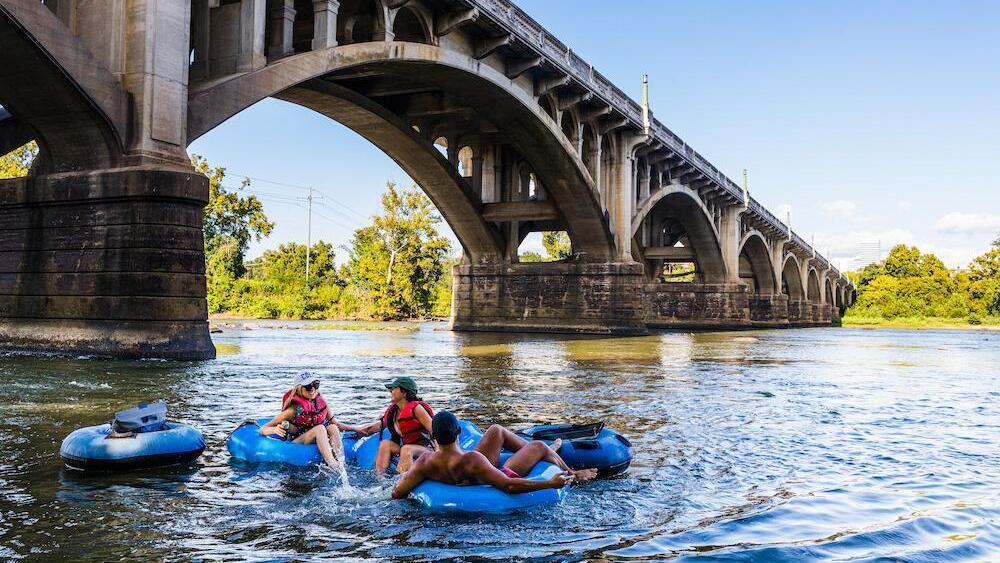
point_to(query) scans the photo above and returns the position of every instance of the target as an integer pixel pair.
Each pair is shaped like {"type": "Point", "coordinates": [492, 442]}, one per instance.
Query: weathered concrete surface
{"type": "Point", "coordinates": [696, 305]}
{"type": "Point", "coordinates": [101, 250]}
{"type": "Point", "coordinates": [109, 263]}
{"type": "Point", "coordinates": [553, 297]}
{"type": "Point", "coordinates": [768, 311]}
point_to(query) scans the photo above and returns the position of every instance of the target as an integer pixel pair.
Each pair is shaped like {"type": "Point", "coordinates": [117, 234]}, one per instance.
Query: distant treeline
{"type": "Point", "coordinates": [911, 284]}
{"type": "Point", "coordinates": [398, 267]}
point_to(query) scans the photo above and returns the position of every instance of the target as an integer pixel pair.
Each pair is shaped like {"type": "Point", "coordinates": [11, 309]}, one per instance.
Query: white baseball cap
{"type": "Point", "coordinates": [304, 378]}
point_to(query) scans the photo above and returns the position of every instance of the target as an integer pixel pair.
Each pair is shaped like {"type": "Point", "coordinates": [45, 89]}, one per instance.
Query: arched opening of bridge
{"type": "Point", "coordinates": [755, 266]}
{"type": "Point", "coordinates": [812, 287]}
{"type": "Point", "coordinates": [408, 25]}
{"type": "Point", "coordinates": [682, 242]}
{"type": "Point", "coordinates": [799, 310]}
{"type": "Point", "coordinates": [360, 21]}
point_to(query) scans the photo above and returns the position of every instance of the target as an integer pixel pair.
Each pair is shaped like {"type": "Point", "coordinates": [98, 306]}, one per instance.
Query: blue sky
{"type": "Point", "coordinates": [873, 121]}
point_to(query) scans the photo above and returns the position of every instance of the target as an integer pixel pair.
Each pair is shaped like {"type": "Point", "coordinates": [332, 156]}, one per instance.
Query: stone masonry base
{"type": "Point", "coordinates": [108, 263]}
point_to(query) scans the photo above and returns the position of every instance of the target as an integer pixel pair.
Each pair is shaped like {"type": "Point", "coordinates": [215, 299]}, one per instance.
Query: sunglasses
{"type": "Point", "coordinates": [312, 386]}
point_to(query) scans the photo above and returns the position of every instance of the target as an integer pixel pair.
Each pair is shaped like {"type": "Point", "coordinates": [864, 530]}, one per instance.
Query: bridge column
{"type": "Point", "coordinates": [729, 240]}
{"type": "Point", "coordinates": [105, 256]}
{"type": "Point", "coordinates": [109, 263]}
{"type": "Point", "coordinates": [560, 297]}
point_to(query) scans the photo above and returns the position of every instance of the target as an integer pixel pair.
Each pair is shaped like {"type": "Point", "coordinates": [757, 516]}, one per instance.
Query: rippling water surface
{"type": "Point", "coordinates": [770, 445]}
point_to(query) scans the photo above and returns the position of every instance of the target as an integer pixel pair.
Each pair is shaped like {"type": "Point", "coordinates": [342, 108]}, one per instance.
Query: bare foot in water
{"type": "Point", "coordinates": [584, 474]}
{"type": "Point", "coordinates": [555, 445]}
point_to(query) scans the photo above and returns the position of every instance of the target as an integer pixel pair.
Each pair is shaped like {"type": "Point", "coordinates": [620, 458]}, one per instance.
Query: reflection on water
{"type": "Point", "coordinates": [768, 445]}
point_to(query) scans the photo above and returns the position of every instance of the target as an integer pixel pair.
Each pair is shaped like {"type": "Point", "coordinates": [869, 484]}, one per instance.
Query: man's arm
{"type": "Point", "coordinates": [410, 480]}
{"type": "Point", "coordinates": [483, 471]}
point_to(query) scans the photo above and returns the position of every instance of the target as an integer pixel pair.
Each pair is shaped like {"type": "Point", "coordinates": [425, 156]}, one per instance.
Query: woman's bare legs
{"type": "Point", "coordinates": [386, 449]}
{"type": "Point", "coordinates": [320, 436]}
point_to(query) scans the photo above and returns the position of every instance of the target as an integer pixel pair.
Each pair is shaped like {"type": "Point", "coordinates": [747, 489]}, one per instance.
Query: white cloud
{"type": "Point", "coordinates": [904, 205]}
{"type": "Point", "coordinates": [839, 208]}
{"type": "Point", "coordinates": [968, 223]}
{"type": "Point", "coordinates": [856, 248]}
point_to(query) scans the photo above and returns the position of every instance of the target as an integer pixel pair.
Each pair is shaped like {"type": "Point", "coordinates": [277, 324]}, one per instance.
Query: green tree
{"type": "Point", "coordinates": [219, 268]}
{"type": "Point", "coordinates": [530, 257]}
{"type": "Point", "coordinates": [443, 290]}
{"type": "Point", "coordinates": [231, 215]}
{"type": "Point", "coordinates": [288, 263]}
{"type": "Point", "coordinates": [397, 261]}
{"type": "Point", "coordinates": [908, 262]}
{"type": "Point", "coordinates": [557, 245]}
{"type": "Point", "coordinates": [16, 163]}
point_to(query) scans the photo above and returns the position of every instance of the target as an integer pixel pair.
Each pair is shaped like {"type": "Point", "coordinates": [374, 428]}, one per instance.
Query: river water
{"type": "Point", "coordinates": [762, 445]}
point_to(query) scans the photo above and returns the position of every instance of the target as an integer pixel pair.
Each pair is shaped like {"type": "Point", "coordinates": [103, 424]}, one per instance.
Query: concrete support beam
{"type": "Point", "coordinates": [546, 85]}
{"type": "Point", "coordinates": [325, 24]}
{"type": "Point", "coordinates": [281, 23]}
{"type": "Point", "coordinates": [569, 100]}
{"type": "Point", "coordinates": [488, 46]}
{"type": "Point", "coordinates": [521, 211]}
{"type": "Point", "coordinates": [621, 202]}
{"type": "Point", "coordinates": [612, 124]}
{"type": "Point", "coordinates": [594, 113]}
{"type": "Point", "coordinates": [200, 38]}
{"type": "Point", "coordinates": [517, 67]}
{"type": "Point", "coordinates": [669, 253]}
{"type": "Point", "coordinates": [447, 23]}
{"type": "Point", "coordinates": [251, 43]}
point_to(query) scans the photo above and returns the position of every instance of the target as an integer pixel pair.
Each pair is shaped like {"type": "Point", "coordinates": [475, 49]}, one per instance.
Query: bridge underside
{"type": "Point", "coordinates": [101, 246]}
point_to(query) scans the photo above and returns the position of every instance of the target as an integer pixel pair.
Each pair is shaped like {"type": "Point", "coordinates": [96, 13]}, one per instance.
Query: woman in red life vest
{"type": "Point", "coordinates": [408, 420]}
{"type": "Point", "coordinates": [309, 418]}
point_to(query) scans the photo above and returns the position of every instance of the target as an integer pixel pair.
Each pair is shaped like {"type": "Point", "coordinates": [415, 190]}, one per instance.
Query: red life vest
{"type": "Point", "coordinates": [308, 413]}
{"type": "Point", "coordinates": [411, 431]}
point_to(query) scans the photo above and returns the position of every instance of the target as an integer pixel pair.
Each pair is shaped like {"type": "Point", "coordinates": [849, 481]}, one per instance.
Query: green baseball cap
{"type": "Point", "coordinates": [404, 383]}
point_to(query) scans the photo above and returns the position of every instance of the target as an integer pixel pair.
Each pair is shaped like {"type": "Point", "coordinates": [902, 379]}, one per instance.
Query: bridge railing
{"type": "Point", "coordinates": [558, 53]}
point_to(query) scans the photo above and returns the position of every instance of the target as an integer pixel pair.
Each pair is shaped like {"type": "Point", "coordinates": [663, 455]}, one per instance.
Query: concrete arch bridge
{"type": "Point", "coordinates": [503, 126]}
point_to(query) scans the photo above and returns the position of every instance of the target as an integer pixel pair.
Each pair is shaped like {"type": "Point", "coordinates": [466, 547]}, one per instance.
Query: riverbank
{"type": "Point", "coordinates": [921, 323]}
{"type": "Point", "coordinates": [221, 323]}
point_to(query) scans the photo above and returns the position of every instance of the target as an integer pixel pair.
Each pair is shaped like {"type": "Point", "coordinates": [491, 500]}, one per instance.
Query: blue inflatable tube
{"type": "Point", "coordinates": [437, 496]}
{"type": "Point", "coordinates": [91, 448]}
{"type": "Point", "coordinates": [586, 446]}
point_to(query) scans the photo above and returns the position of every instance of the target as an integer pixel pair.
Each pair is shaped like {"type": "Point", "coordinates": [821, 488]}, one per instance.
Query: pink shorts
{"type": "Point", "coordinates": [510, 473]}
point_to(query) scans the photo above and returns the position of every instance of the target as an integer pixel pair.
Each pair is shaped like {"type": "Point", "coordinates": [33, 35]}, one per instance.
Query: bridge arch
{"type": "Point", "coordinates": [755, 264]}
{"type": "Point", "coordinates": [360, 21]}
{"type": "Point", "coordinates": [791, 278]}
{"type": "Point", "coordinates": [677, 215]}
{"type": "Point", "coordinates": [411, 23]}
{"type": "Point", "coordinates": [79, 118]}
{"type": "Point", "coordinates": [828, 291]}
{"type": "Point", "coordinates": [812, 286]}
{"type": "Point", "coordinates": [517, 113]}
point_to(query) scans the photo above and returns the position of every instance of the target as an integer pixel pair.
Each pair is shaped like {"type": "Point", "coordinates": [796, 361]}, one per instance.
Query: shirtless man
{"type": "Point", "coordinates": [451, 465]}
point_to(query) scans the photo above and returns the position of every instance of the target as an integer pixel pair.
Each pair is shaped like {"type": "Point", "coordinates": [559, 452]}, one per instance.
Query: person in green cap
{"type": "Point", "coordinates": [408, 419]}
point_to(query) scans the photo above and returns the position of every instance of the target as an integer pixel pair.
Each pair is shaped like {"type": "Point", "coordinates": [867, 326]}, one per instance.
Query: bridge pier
{"type": "Point", "coordinates": [768, 311]}
{"type": "Point", "coordinates": [697, 305]}
{"type": "Point", "coordinates": [109, 263]}
{"type": "Point", "coordinates": [563, 297]}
